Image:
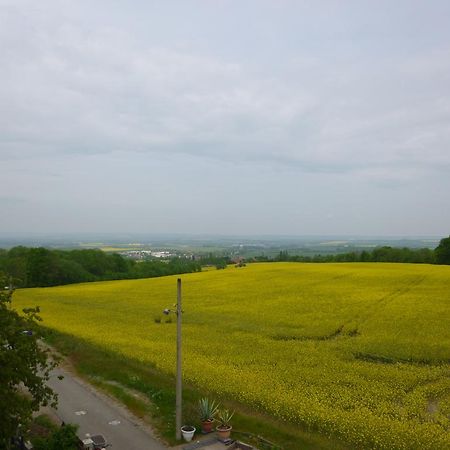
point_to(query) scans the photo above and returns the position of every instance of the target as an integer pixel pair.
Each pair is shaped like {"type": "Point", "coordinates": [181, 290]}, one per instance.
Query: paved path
{"type": "Point", "coordinates": [96, 413]}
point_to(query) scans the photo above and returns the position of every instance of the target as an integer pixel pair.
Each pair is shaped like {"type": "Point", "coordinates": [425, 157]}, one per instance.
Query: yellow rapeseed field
{"type": "Point", "coordinates": [359, 351]}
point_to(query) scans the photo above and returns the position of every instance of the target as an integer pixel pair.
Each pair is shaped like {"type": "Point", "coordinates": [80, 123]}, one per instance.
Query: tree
{"type": "Point", "coordinates": [65, 438]}
{"type": "Point", "coordinates": [25, 367]}
{"type": "Point", "coordinates": [442, 251]}
{"type": "Point", "coordinates": [42, 268]}
{"type": "Point", "coordinates": [221, 264]}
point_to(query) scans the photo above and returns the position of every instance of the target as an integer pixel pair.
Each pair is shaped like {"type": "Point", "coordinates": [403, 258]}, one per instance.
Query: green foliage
{"type": "Point", "coordinates": [40, 267]}
{"type": "Point", "coordinates": [220, 262]}
{"type": "Point", "coordinates": [207, 408]}
{"type": "Point", "coordinates": [221, 265]}
{"type": "Point", "coordinates": [379, 254]}
{"type": "Point", "coordinates": [23, 365]}
{"type": "Point", "coordinates": [225, 416]}
{"type": "Point", "coordinates": [63, 438]}
{"type": "Point", "coordinates": [45, 422]}
{"type": "Point", "coordinates": [151, 269]}
{"type": "Point", "coordinates": [443, 251]}
{"type": "Point", "coordinates": [283, 256]}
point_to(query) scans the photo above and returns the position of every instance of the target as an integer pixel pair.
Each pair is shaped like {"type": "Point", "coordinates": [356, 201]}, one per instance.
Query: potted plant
{"type": "Point", "coordinates": [224, 428]}
{"type": "Point", "coordinates": [188, 432]}
{"type": "Point", "coordinates": [208, 410]}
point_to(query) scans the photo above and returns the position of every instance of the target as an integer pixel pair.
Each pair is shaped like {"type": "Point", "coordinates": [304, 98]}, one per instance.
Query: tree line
{"type": "Point", "coordinates": [41, 267]}
{"type": "Point", "coordinates": [440, 255]}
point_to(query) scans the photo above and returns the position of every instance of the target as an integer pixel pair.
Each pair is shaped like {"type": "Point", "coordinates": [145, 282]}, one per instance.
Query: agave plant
{"type": "Point", "coordinates": [208, 409]}
{"type": "Point", "coordinates": [225, 417]}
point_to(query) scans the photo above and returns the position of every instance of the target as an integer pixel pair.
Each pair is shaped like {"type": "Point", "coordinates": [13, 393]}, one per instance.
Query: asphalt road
{"type": "Point", "coordinates": [95, 413]}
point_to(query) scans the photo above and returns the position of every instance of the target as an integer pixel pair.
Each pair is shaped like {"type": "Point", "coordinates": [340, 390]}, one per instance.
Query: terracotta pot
{"type": "Point", "coordinates": [207, 426]}
{"type": "Point", "coordinates": [224, 432]}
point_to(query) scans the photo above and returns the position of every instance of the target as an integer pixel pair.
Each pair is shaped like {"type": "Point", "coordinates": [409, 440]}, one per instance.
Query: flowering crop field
{"type": "Point", "coordinates": [358, 351]}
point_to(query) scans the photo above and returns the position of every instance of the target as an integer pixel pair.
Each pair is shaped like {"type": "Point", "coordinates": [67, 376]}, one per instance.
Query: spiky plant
{"type": "Point", "coordinates": [225, 417]}
{"type": "Point", "coordinates": [208, 409]}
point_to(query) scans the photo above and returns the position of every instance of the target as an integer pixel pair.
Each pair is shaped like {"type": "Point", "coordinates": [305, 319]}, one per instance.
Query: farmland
{"type": "Point", "coordinates": [359, 351]}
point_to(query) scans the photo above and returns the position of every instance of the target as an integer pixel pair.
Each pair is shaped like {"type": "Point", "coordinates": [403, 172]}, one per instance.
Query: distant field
{"type": "Point", "coordinates": [356, 351]}
{"type": "Point", "coordinates": [111, 248]}
{"type": "Point", "coordinates": [114, 249]}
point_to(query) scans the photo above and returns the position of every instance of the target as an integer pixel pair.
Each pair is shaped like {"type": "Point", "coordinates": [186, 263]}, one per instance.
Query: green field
{"type": "Point", "coordinates": [359, 352]}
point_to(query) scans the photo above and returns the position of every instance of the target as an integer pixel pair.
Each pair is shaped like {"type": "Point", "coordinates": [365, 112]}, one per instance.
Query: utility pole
{"type": "Point", "coordinates": [179, 385]}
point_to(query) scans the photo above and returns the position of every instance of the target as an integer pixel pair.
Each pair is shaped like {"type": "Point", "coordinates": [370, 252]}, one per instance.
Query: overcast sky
{"type": "Point", "coordinates": [225, 117]}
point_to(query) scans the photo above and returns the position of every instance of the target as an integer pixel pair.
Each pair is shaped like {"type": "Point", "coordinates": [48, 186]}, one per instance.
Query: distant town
{"type": "Point", "coordinates": [146, 254]}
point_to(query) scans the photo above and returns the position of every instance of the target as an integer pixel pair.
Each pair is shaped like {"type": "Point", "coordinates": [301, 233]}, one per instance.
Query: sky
{"type": "Point", "coordinates": [225, 117]}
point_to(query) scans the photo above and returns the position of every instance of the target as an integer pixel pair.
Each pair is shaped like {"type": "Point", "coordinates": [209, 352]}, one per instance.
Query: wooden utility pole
{"type": "Point", "coordinates": [179, 385]}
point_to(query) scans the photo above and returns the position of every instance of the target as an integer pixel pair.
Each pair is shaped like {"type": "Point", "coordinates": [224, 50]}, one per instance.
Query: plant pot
{"type": "Point", "coordinates": [224, 432]}
{"type": "Point", "coordinates": [207, 426]}
{"type": "Point", "coordinates": [188, 432]}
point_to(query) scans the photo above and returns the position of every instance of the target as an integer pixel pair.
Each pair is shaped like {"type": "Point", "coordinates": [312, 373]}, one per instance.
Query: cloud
{"type": "Point", "coordinates": [68, 88]}
{"type": "Point", "coordinates": [6, 200]}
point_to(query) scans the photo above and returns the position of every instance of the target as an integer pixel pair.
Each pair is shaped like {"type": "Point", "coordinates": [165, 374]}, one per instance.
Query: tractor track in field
{"type": "Point", "coordinates": [386, 299]}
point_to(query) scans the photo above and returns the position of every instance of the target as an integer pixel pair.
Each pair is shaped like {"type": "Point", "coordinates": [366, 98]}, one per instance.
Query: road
{"type": "Point", "coordinates": [95, 413]}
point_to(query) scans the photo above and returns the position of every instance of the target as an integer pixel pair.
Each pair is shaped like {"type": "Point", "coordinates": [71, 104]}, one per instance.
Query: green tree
{"type": "Point", "coordinates": [221, 264]}
{"type": "Point", "coordinates": [442, 251]}
{"type": "Point", "coordinates": [60, 438]}
{"type": "Point", "coordinates": [119, 263]}
{"type": "Point", "coordinates": [65, 438]}
{"type": "Point", "coordinates": [42, 267]}
{"type": "Point", "coordinates": [25, 367]}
